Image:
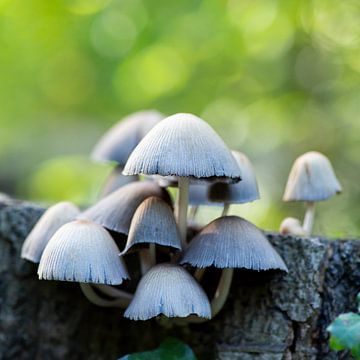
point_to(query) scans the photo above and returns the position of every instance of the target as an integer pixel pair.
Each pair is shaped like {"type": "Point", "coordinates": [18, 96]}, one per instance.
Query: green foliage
{"type": "Point", "coordinates": [170, 349]}
{"type": "Point", "coordinates": [345, 333]}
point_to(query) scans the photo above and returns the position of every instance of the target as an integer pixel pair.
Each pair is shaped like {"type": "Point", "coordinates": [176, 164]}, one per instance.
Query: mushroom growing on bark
{"type": "Point", "coordinates": [170, 290]}
{"type": "Point", "coordinates": [52, 219]}
{"type": "Point", "coordinates": [291, 226]}
{"type": "Point", "coordinates": [184, 146]}
{"type": "Point", "coordinates": [231, 242]}
{"type": "Point", "coordinates": [311, 179]}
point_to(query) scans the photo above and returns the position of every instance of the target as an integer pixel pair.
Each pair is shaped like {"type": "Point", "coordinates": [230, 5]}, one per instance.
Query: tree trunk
{"type": "Point", "coordinates": [267, 316]}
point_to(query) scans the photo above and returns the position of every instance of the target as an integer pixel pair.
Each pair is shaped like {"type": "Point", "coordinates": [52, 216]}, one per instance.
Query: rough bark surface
{"type": "Point", "coordinates": [267, 317]}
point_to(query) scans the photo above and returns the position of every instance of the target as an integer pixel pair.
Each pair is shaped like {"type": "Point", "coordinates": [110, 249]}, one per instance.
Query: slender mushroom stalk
{"type": "Point", "coordinates": [182, 208]}
{"type": "Point", "coordinates": [222, 291]}
{"type": "Point", "coordinates": [113, 292]}
{"type": "Point", "coordinates": [147, 258]}
{"type": "Point", "coordinates": [95, 299]}
{"type": "Point", "coordinates": [309, 217]}
{"type": "Point", "coordinates": [226, 209]}
{"type": "Point", "coordinates": [193, 212]}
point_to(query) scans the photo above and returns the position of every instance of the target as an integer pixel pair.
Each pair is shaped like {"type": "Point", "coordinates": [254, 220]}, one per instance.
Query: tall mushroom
{"type": "Point", "coordinates": [185, 146]}
{"type": "Point", "coordinates": [311, 179]}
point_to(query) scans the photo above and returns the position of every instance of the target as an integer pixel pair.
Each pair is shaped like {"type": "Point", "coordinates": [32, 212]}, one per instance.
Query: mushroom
{"type": "Point", "coordinates": [243, 192]}
{"type": "Point", "coordinates": [170, 290]}
{"type": "Point", "coordinates": [153, 223]}
{"type": "Point", "coordinates": [118, 142]}
{"type": "Point", "coordinates": [291, 226]}
{"type": "Point", "coordinates": [185, 146]}
{"type": "Point", "coordinates": [116, 180]}
{"type": "Point", "coordinates": [84, 252]}
{"type": "Point", "coordinates": [52, 219]}
{"type": "Point", "coordinates": [231, 242]}
{"type": "Point", "coordinates": [115, 211]}
{"type": "Point", "coordinates": [311, 179]}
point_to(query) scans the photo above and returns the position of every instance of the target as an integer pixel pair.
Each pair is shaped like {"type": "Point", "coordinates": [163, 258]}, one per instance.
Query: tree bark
{"type": "Point", "coordinates": [267, 316]}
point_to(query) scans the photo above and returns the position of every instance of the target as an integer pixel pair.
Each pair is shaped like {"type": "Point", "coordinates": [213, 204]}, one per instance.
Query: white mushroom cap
{"type": "Point", "coordinates": [116, 180]}
{"type": "Point", "coordinates": [52, 219]}
{"type": "Point", "coordinates": [186, 146]}
{"type": "Point", "coordinates": [116, 210]}
{"type": "Point", "coordinates": [153, 222]}
{"type": "Point", "coordinates": [242, 192]}
{"type": "Point", "coordinates": [118, 142]}
{"type": "Point", "coordinates": [170, 290]}
{"type": "Point", "coordinates": [232, 242]}
{"type": "Point", "coordinates": [291, 226]}
{"type": "Point", "coordinates": [312, 178]}
{"type": "Point", "coordinates": [82, 251]}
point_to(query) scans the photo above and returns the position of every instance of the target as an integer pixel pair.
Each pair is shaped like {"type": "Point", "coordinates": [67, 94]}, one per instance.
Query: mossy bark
{"type": "Point", "coordinates": [267, 316]}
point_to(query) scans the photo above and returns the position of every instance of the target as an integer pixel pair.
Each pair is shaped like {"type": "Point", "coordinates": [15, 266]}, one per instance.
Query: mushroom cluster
{"type": "Point", "coordinates": [136, 215]}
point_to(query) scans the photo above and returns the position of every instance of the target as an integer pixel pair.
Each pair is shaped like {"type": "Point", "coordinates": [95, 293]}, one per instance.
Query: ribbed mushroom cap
{"type": "Point", "coordinates": [183, 145]}
{"type": "Point", "coordinates": [169, 290]}
{"type": "Point", "coordinates": [116, 180]}
{"type": "Point", "coordinates": [244, 191]}
{"type": "Point", "coordinates": [118, 142]}
{"type": "Point", "coordinates": [82, 251]}
{"type": "Point", "coordinates": [232, 242]}
{"type": "Point", "coordinates": [312, 178]}
{"type": "Point", "coordinates": [52, 219]}
{"type": "Point", "coordinates": [153, 223]}
{"type": "Point", "coordinates": [116, 210]}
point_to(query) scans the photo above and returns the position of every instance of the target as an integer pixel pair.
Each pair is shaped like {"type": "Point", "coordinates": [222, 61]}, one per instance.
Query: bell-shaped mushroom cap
{"type": "Point", "coordinates": [116, 180]}
{"type": "Point", "coordinates": [170, 290]}
{"type": "Point", "coordinates": [232, 242]}
{"type": "Point", "coordinates": [312, 178]}
{"type": "Point", "coordinates": [153, 222]}
{"type": "Point", "coordinates": [82, 251]}
{"type": "Point", "coordinates": [118, 142]}
{"type": "Point", "coordinates": [244, 191]}
{"type": "Point", "coordinates": [183, 145]}
{"type": "Point", "coordinates": [52, 219]}
{"type": "Point", "coordinates": [116, 210]}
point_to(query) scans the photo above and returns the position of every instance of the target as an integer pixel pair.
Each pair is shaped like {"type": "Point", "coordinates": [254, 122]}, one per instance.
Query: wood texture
{"type": "Point", "coordinates": [265, 318]}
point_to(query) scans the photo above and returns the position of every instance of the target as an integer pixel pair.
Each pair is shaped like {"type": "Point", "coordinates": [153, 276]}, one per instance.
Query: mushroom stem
{"type": "Point", "coordinates": [113, 292]}
{"type": "Point", "coordinates": [95, 299]}
{"type": "Point", "coordinates": [309, 217]}
{"type": "Point", "coordinates": [199, 273]}
{"type": "Point", "coordinates": [147, 258]}
{"type": "Point", "coordinates": [222, 291]}
{"type": "Point", "coordinates": [226, 209]}
{"type": "Point", "coordinates": [182, 207]}
{"type": "Point", "coordinates": [193, 213]}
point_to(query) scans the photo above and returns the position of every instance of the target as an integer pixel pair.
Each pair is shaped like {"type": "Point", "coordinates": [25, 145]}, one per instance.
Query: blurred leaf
{"type": "Point", "coordinates": [170, 349]}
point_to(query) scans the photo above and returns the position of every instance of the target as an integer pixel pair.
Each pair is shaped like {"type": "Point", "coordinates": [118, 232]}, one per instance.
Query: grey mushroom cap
{"type": "Point", "coordinates": [82, 251]}
{"type": "Point", "coordinates": [245, 191]}
{"type": "Point", "coordinates": [116, 180]}
{"type": "Point", "coordinates": [312, 178]}
{"type": "Point", "coordinates": [170, 290]}
{"type": "Point", "coordinates": [153, 223]}
{"type": "Point", "coordinates": [232, 242]}
{"type": "Point", "coordinates": [116, 210]}
{"type": "Point", "coordinates": [118, 142]}
{"type": "Point", "coordinates": [52, 219]}
{"type": "Point", "coordinates": [186, 146]}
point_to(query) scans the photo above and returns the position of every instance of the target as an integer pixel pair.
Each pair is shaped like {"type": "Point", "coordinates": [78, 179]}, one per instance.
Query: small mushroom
{"type": "Point", "coordinates": [153, 223]}
{"type": "Point", "coordinates": [243, 192]}
{"type": "Point", "coordinates": [52, 219]}
{"type": "Point", "coordinates": [311, 179]}
{"type": "Point", "coordinates": [118, 142]}
{"type": "Point", "coordinates": [231, 242]}
{"type": "Point", "coordinates": [115, 211]}
{"type": "Point", "coordinates": [116, 180]}
{"type": "Point", "coordinates": [170, 290]}
{"type": "Point", "coordinates": [82, 251]}
{"type": "Point", "coordinates": [185, 146]}
{"type": "Point", "coordinates": [291, 226]}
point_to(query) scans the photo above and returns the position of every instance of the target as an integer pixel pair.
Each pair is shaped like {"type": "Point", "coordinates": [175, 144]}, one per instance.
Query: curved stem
{"type": "Point", "coordinates": [182, 208]}
{"type": "Point", "coordinates": [226, 209]}
{"type": "Point", "coordinates": [113, 292]}
{"type": "Point", "coordinates": [222, 291]}
{"type": "Point", "coordinates": [309, 218]}
{"type": "Point", "coordinates": [95, 299]}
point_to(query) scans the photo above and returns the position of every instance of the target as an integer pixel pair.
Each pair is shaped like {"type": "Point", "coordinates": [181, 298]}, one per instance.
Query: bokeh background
{"type": "Point", "coordinates": [275, 78]}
